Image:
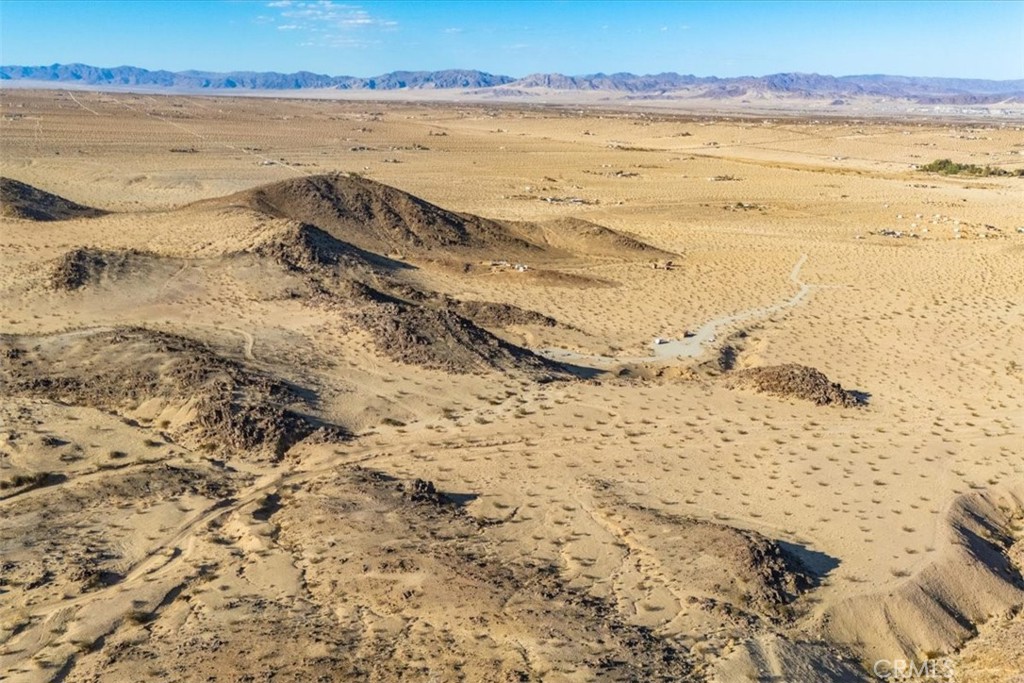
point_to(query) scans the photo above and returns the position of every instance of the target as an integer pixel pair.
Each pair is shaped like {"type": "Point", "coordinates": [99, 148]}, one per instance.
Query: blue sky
{"type": "Point", "coordinates": [977, 39]}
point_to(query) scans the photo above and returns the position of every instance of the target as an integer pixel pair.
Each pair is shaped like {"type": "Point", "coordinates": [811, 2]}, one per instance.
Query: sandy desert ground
{"type": "Point", "coordinates": [278, 403]}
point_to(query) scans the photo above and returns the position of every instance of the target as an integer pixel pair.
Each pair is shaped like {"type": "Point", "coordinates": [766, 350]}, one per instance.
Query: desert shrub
{"type": "Point", "coordinates": [949, 167]}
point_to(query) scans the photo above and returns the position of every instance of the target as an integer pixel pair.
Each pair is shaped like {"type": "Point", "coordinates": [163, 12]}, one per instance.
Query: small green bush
{"type": "Point", "coordinates": [949, 167]}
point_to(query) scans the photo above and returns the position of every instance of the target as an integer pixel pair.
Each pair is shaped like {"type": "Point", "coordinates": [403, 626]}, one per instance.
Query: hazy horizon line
{"type": "Point", "coordinates": [520, 77]}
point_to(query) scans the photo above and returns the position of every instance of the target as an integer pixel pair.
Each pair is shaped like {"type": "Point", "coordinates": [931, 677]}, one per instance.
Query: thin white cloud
{"type": "Point", "coordinates": [331, 24]}
{"type": "Point", "coordinates": [453, 30]}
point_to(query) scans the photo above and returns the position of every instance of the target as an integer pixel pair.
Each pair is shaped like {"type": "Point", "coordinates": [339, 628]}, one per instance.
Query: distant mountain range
{"type": "Point", "coordinates": [922, 90]}
{"type": "Point", "coordinates": [249, 80]}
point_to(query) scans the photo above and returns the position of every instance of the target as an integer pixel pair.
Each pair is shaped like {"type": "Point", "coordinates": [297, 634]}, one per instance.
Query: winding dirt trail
{"type": "Point", "coordinates": [697, 343]}
{"type": "Point", "coordinates": [79, 103]}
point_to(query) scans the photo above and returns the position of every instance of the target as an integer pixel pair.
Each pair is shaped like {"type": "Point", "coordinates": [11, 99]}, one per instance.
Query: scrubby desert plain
{"type": "Point", "coordinates": [277, 403]}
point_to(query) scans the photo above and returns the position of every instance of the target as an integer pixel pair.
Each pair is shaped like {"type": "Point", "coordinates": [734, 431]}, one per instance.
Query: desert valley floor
{"type": "Point", "coordinates": [319, 390]}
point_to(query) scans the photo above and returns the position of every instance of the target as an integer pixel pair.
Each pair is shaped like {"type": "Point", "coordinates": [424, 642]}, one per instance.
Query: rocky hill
{"type": "Point", "coordinates": [20, 200]}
